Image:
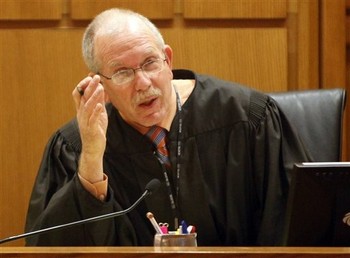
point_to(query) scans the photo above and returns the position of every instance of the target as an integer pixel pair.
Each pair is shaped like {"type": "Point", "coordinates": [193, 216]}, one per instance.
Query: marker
{"type": "Point", "coordinates": [191, 229]}
{"type": "Point", "coordinates": [154, 222]}
{"type": "Point", "coordinates": [179, 230]}
{"type": "Point", "coordinates": [184, 227]}
{"type": "Point", "coordinates": [80, 91]}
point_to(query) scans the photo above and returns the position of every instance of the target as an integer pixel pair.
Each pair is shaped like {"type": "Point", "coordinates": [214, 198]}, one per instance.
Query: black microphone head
{"type": "Point", "coordinates": [152, 185]}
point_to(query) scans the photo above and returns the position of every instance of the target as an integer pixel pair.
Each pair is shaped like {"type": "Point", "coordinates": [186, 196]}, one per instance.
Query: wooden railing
{"type": "Point", "coordinates": [188, 252]}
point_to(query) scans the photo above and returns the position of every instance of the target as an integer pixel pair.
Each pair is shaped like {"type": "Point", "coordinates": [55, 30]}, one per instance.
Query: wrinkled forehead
{"type": "Point", "coordinates": [130, 49]}
{"type": "Point", "coordinates": [125, 32]}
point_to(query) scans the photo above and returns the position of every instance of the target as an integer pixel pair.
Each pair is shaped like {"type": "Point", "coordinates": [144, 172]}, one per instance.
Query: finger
{"type": "Point", "coordinates": [95, 116]}
{"type": "Point", "coordinates": [87, 108]}
{"type": "Point", "coordinates": [97, 96]}
{"type": "Point", "coordinates": [83, 84]}
{"type": "Point", "coordinates": [80, 87]}
{"type": "Point", "coordinates": [85, 89]}
{"type": "Point", "coordinates": [91, 87]}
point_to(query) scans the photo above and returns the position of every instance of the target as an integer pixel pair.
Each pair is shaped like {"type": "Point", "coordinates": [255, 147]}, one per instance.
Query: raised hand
{"type": "Point", "coordinates": [89, 98]}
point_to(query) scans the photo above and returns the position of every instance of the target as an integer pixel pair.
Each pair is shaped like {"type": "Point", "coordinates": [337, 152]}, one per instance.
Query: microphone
{"type": "Point", "coordinates": [151, 187]}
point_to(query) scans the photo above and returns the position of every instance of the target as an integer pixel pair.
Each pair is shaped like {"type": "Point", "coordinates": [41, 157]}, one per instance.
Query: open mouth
{"type": "Point", "coordinates": [148, 103]}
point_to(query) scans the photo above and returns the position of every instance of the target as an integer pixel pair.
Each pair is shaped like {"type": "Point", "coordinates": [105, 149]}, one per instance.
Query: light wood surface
{"type": "Point", "coordinates": [173, 252]}
{"type": "Point", "coordinates": [226, 59]}
{"type": "Point", "coordinates": [153, 9]}
{"type": "Point", "coordinates": [30, 10]}
{"type": "Point", "coordinates": [243, 9]}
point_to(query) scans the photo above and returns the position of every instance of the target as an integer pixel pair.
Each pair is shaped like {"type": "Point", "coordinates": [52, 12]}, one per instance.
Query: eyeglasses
{"type": "Point", "coordinates": [124, 76]}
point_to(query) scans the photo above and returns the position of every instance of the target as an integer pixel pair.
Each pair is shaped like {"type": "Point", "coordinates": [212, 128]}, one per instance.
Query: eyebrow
{"type": "Point", "coordinates": [115, 63]}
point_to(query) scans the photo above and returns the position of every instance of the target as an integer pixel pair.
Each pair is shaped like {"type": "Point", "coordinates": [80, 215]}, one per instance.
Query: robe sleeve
{"type": "Point", "coordinates": [58, 197]}
{"type": "Point", "coordinates": [277, 148]}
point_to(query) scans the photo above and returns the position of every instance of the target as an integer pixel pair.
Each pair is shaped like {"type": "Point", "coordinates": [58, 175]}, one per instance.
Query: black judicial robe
{"type": "Point", "coordinates": [237, 153]}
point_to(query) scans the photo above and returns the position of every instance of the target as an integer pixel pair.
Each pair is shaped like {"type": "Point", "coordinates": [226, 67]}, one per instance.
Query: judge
{"type": "Point", "coordinates": [223, 152]}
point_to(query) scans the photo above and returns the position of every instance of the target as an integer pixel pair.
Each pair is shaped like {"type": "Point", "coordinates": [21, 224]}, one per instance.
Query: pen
{"type": "Point", "coordinates": [184, 227]}
{"type": "Point", "coordinates": [154, 222]}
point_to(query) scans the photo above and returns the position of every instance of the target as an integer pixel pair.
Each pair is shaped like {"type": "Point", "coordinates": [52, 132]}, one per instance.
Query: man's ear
{"type": "Point", "coordinates": [107, 98]}
{"type": "Point", "coordinates": [169, 55]}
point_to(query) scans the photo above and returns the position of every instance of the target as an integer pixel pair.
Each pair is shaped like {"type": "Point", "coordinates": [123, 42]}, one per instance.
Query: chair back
{"type": "Point", "coordinates": [317, 115]}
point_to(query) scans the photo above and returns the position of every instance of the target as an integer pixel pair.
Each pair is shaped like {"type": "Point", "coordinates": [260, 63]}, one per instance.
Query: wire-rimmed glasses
{"type": "Point", "coordinates": [149, 68]}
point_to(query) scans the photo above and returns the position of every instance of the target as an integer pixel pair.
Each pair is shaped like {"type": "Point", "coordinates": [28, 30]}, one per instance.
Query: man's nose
{"type": "Point", "coordinates": [142, 80]}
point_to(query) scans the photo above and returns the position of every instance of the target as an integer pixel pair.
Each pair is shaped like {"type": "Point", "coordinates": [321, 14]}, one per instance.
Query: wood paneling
{"type": "Point", "coordinates": [307, 46]}
{"type": "Point", "coordinates": [30, 9]}
{"type": "Point", "coordinates": [333, 40]}
{"type": "Point", "coordinates": [347, 22]}
{"type": "Point", "coordinates": [38, 69]}
{"type": "Point", "coordinates": [333, 61]}
{"type": "Point", "coordinates": [348, 29]}
{"type": "Point", "coordinates": [153, 9]}
{"type": "Point", "coordinates": [242, 9]}
{"type": "Point", "coordinates": [254, 57]}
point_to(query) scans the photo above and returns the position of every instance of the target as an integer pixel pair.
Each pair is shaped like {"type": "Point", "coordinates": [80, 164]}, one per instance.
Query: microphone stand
{"type": "Point", "coordinates": [79, 222]}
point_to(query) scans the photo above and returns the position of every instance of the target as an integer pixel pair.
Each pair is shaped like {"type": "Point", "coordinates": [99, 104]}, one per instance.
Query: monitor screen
{"type": "Point", "coordinates": [318, 208]}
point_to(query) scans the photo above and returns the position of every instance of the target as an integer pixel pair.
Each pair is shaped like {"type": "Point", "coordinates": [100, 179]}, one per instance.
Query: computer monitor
{"type": "Point", "coordinates": [318, 208]}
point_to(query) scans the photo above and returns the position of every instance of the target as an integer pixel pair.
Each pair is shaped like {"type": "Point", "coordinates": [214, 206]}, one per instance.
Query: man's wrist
{"type": "Point", "coordinates": [91, 168]}
{"type": "Point", "coordinates": [97, 189]}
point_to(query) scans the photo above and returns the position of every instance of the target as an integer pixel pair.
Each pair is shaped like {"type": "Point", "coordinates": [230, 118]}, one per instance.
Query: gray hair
{"type": "Point", "coordinates": [113, 21]}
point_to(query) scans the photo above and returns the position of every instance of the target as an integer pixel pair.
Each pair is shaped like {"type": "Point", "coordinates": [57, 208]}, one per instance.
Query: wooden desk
{"type": "Point", "coordinates": [151, 252]}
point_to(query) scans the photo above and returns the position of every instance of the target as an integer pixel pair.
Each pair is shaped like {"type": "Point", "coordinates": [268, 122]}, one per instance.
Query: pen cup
{"type": "Point", "coordinates": [175, 239]}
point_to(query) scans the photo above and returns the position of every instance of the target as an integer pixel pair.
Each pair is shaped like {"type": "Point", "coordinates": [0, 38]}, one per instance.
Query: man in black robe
{"type": "Point", "coordinates": [231, 149]}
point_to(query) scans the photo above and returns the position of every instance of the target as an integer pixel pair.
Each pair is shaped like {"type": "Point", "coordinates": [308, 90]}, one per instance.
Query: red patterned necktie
{"type": "Point", "coordinates": [157, 135]}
